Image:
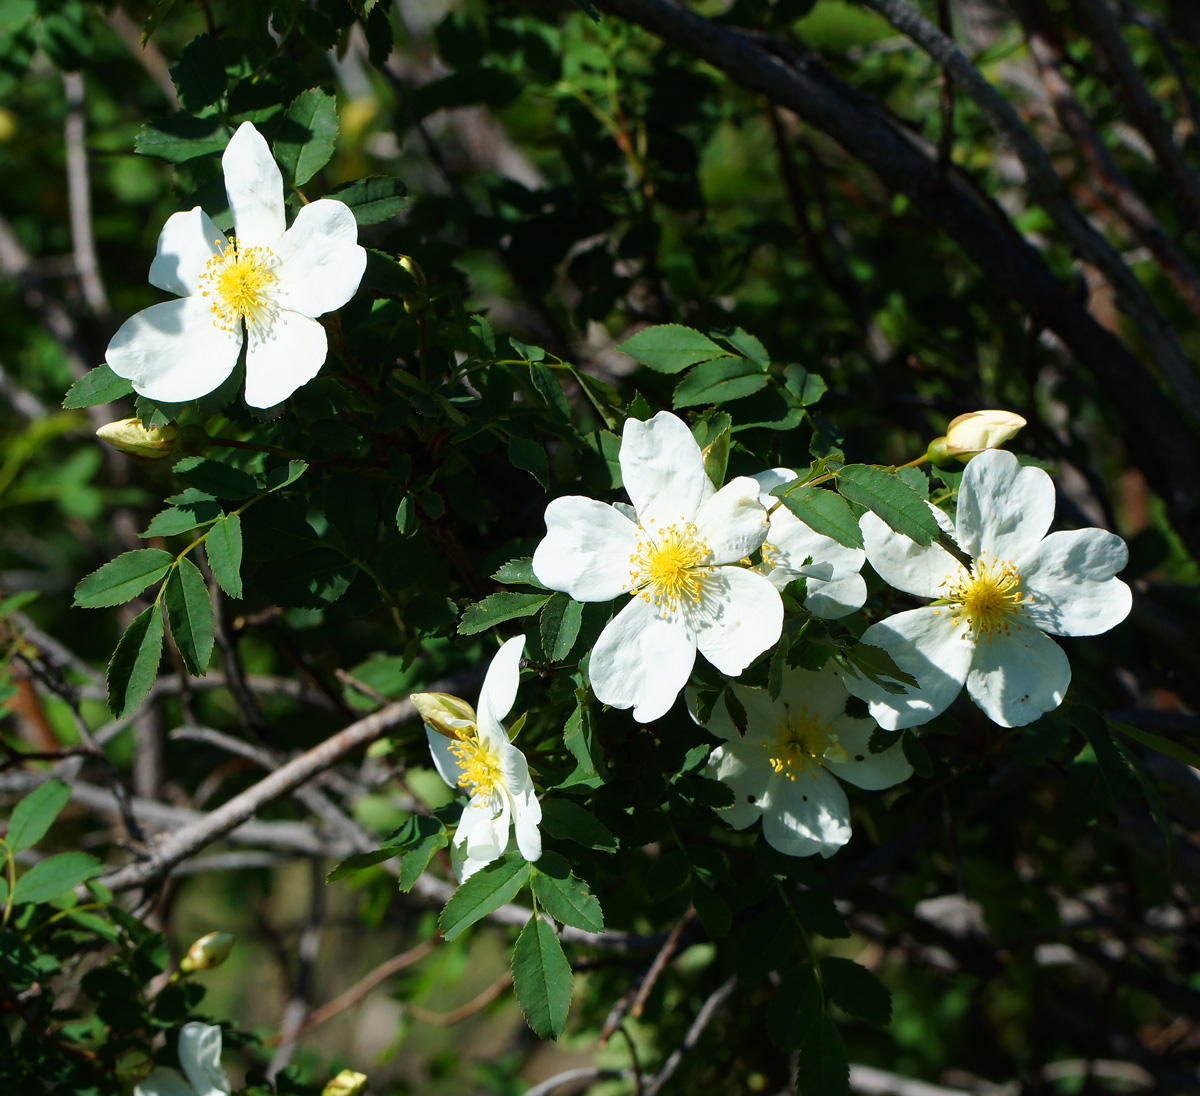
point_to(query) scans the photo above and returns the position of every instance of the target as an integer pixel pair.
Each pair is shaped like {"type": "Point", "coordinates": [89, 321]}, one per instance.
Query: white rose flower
{"type": "Point", "coordinates": [200, 1056]}
{"type": "Point", "coordinates": [988, 626]}
{"type": "Point", "coordinates": [264, 287]}
{"type": "Point", "coordinates": [787, 766]}
{"type": "Point", "coordinates": [834, 586]}
{"type": "Point", "coordinates": [476, 754]}
{"type": "Point", "coordinates": [678, 551]}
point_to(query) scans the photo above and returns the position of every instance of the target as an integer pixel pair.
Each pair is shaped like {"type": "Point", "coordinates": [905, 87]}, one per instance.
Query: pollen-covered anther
{"type": "Point", "coordinates": [669, 565]}
{"type": "Point", "coordinates": [480, 767]}
{"type": "Point", "coordinates": [237, 282]}
{"type": "Point", "coordinates": [988, 598]}
{"type": "Point", "coordinates": [803, 744]}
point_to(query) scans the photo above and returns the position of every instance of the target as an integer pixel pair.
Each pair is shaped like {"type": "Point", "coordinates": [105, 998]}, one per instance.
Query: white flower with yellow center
{"type": "Point", "coordinates": [987, 625]}
{"type": "Point", "coordinates": [678, 550]}
{"type": "Point", "coordinates": [200, 1057]}
{"type": "Point", "coordinates": [792, 550]}
{"type": "Point", "coordinates": [264, 287]}
{"type": "Point", "coordinates": [472, 751]}
{"type": "Point", "coordinates": [787, 766]}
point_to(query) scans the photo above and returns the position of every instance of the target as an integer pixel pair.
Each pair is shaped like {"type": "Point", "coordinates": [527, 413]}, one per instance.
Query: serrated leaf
{"type": "Point", "coordinates": [568, 821]}
{"type": "Point", "coordinates": [487, 890]}
{"type": "Point", "coordinates": [564, 896]}
{"type": "Point", "coordinates": [496, 608]}
{"type": "Point", "coordinates": [35, 814]}
{"type": "Point", "coordinates": [96, 386]}
{"type": "Point", "coordinates": [216, 478]}
{"type": "Point", "coordinates": [711, 908]}
{"type": "Point", "coordinates": [807, 387]}
{"type": "Point", "coordinates": [190, 614]}
{"type": "Point", "coordinates": [1113, 766]}
{"type": "Point", "coordinates": [719, 381]}
{"type": "Point", "coordinates": [541, 979]}
{"type": "Point", "coordinates": [795, 1007]}
{"type": "Point", "coordinates": [670, 347]}
{"type": "Point", "coordinates": [134, 664]}
{"type": "Point", "coordinates": [824, 512]}
{"type": "Point", "coordinates": [307, 135]}
{"type": "Point", "coordinates": [560, 621]}
{"type": "Point", "coordinates": [56, 874]}
{"type": "Point", "coordinates": [817, 911]}
{"type": "Point", "coordinates": [878, 666]}
{"type": "Point", "coordinates": [372, 200]}
{"type": "Point", "coordinates": [518, 572]}
{"type": "Point", "coordinates": [416, 859]}
{"type": "Point", "coordinates": [745, 344]}
{"type": "Point", "coordinates": [182, 519]}
{"type": "Point", "coordinates": [856, 990]}
{"type": "Point", "coordinates": [182, 137]}
{"type": "Point", "coordinates": [823, 1067]}
{"type": "Point", "coordinates": [1166, 746]}
{"type": "Point", "coordinates": [283, 475]}
{"type": "Point", "coordinates": [530, 456]}
{"type": "Point", "coordinates": [223, 547]}
{"type": "Point", "coordinates": [550, 390]}
{"type": "Point", "coordinates": [123, 578]}
{"type": "Point", "coordinates": [891, 498]}
{"type": "Point", "coordinates": [360, 861]}
{"type": "Point", "coordinates": [199, 75]}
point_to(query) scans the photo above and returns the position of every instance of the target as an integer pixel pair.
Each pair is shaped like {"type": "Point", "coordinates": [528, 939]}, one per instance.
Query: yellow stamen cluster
{"type": "Point", "coordinates": [986, 599]}
{"type": "Point", "coordinates": [480, 767]}
{"type": "Point", "coordinates": [669, 565]}
{"type": "Point", "coordinates": [803, 744]}
{"type": "Point", "coordinates": [236, 281]}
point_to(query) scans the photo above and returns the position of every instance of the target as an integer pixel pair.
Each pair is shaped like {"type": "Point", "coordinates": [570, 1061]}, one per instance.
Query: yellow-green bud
{"type": "Point", "coordinates": [130, 436]}
{"type": "Point", "coordinates": [346, 1083]}
{"type": "Point", "coordinates": [414, 268]}
{"type": "Point", "coordinates": [979, 430]}
{"type": "Point", "coordinates": [446, 714]}
{"type": "Point", "coordinates": [211, 950]}
{"type": "Point", "coordinates": [134, 1065]}
{"type": "Point", "coordinates": [937, 451]}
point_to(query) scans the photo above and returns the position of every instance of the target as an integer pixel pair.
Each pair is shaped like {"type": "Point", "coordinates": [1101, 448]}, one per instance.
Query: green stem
{"type": "Point", "coordinates": [233, 443]}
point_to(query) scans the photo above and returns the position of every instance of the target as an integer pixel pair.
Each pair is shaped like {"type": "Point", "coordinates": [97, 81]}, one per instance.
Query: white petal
{"type": "Point", "coordinates": [1003, 509]}
{"type": "Point", "coordinates": [763, 715]}
{"type": "Point", "coordinates": [499, 689]}
{"type": "Point", "coordinates": [482, 834]}
{"type": "Point", "coordinates": [740, 615]}
{"type": "Point", "coordinates": [164, 1081]}
{"type": "Point", "coordinates": [821, 692]}
{"type": "Point", "coordinates": [663, 470]}
{"type": "Point", "coordinates": [748, 776]}
{"type": "Point", "coordinates": [527, 813]}
{"type": "Point", "coordinates": [281, 355]}
{"type": "Point", "coordinates": [642, 660]}
{"type": "Point", "coordinates": [516, 771]}
{"type": "Point", "coordinates": [443, 760]}
{"type": "Point", "coordinates": [200, 1056]}
{"type": "Point", "coordinates": [320, 262]}
{"type": "Point", "coordinates": [254, 188]}
{"type": "Point", "coordinates": [862, 768]}
{"type": "Point", "coordinates": [586, 550]}
{"type": "Point", "coordinates": [767, 482]}
{"type": "Point", "coordinates": [173, 352]}
{"type": "Point", "coordinates": [1018, 677]}
{"type": "Point", "coordinates": [807, 815]}
{"type": "Point", "coordinates": [185, 244]}
{"type": "Point", "coordinates": [732, 523]}
{"type": "Point", "coordinates": [835, 587]}
{"type": "Point", "coordinates": [905, 564]}
{"type": "Point", "coordinates": [926, 644]}
{"type": "Point", "coordinates": [841, 596]}
{"type": "Point", "coordinates": [1070, 578]}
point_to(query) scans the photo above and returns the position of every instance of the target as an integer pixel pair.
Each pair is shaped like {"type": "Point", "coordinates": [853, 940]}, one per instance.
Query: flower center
{"type": "Point", "coordinates": [480, 767]}
{"type": "Point", "coordinates": [803, 743]}
{"type": "Point", "coordinates": [986, 598]}
{"type": "Point", "coordinates": [668, 566]}
{"type": "Point", "coordinates": [237, 282]}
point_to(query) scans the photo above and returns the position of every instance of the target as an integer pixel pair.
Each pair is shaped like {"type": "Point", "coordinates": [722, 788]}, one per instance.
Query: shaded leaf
{"type": "Point", "coordinates": [856, 990]}
{"type": "Point", "coordinates": [134, 664]}
{"type": "Point", "coordinates": [719, 381]}
{"type": "Point", "coordinates": [190, 613]}
{"type": "Point", "coordinates": [564, 896]}
{"type": "Point", "coordinates": [223, 546]}
{"type": "Point", "coordinates": [34, 815]}
{"type": "Point", "coordinates": [541, 979]}
{"type": "Point", "coordinates": [560, 622]}
{"type": "Point", "coordinates": [670, 348]}
{"type": "Point", "coordinates": [307, 135]}
{"type": "Point", "coordinates": [55, 875]}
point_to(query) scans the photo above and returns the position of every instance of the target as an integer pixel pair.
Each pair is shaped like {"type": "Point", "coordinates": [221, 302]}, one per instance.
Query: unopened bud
{"type": "Point", "coordinates": [414, 268]}
{"type": "Point", "coordinates": [148, 443]}
{"type": "Point", "coordinates": [979, 430]}
{"type": "Point", "coordinates": [134, 1065]}
{"type": "Point", "coordinates": [446, 714]}
{"type": "Point", "coordinates": [346, 1083]}
{"type": "Point", "coordinates": [211, 950]}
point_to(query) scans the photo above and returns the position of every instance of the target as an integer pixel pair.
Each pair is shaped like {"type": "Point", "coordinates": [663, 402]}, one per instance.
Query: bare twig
{"type": "Point", "coordinates": [879, 1082]}
{"type": "Point", "coordinates": [292, 1026]}
{"type": "Point", "coordinates": [79, 194]}
{"type": "Point", "coordinates": [703, 1018]}
{"type": "Point", "coordinates": [148, 56]}
{"type": "Point", "coordinates": [463, 1012]}
{"type": "Point", "coordinates": [661, 960]}
{"type": "Point", "coordinates": [574, 1076]}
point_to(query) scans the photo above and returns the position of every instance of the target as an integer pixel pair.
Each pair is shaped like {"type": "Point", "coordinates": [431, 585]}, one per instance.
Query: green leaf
{"type": "Point", "coordinates": [824, 512]}
{"type": "Point", "coordinates": [711, 908]}
{"type": "Point", "coordinates": [794, 1008]}
{"type": "Point", "coordinates": [360, 861]}
{"type": "Point", "coordinates": [745, 344]}
{"type": "Point", "coordinates": [283, 475]}
{"type": "Point", "coordinates": [530, 456]}
{"type": "Point", "coordinates": [588, 9]}
{"type": "Point", "coordinates": [122, 578]}
{"type": "Point", "coordinates": [182, 519]}
{"type": "Point", "coordinates": [856, 990]}
{"type": "Point", "coordinates": [181, 138]}
{"type": "Point", "coordinates": [56, 874]}
{"type": "Point", "coordinates": [416, 859]}
{"type": "Point", "coordinates": [496, 608]}
{"type": "Point", "coordinates": [200, 74]}
{"type": "Point", "coordinates": [487, 890]}
{"type": "Point", "coordinates": [518, 572]}
{"type": "Point", "coordinates": [823, 1068]}
{"type": "Point", "coordinates": [307, 135]}
{"type": "Point", "coordinates": [670, 348]}
{"type": "Point", "coordinates": [568, 821]}
{"type": "Point", "coordinates": [216, 478]}
{"type": "Point", "coordinates": [1113, 766]}
{"type": "Point", "coordinates": [916, 754]}
{"type": "Point", "coordinates": [891, 498]}
{"type": "Point", "coordinates": [134, 664]}
{"type": "Point", "coordinates": [807, 387]}
{"type": "Point", "coordinates": [1166, 746]}
{"type": "Point", "coordinates": [372, 200]}
{"type": "Point", "coordinates": [33, 816]}
{"type": "Point", "coordinates": [720, 381]}
{"type": "Point", "coordinates": [546, 383]}
{"type": "Point", "coordinates": [223, 546]}
{"type": "Point", "coordinates": [876, 665]}
{"type": "Point", "coordinates": [541, 979]}
{"type": "Point", "coordinates": [190, 613]}
{"type": "Point", "coordinates": [579, 736]}
{"type": "Point", "coordinates": [96, 386]}
{"type": "Point", "coordinates": [564, 896]}
{"type": "Point", "coordinates": [817, 911]}
{"type": "Point", "coordinates": [560, 622]}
